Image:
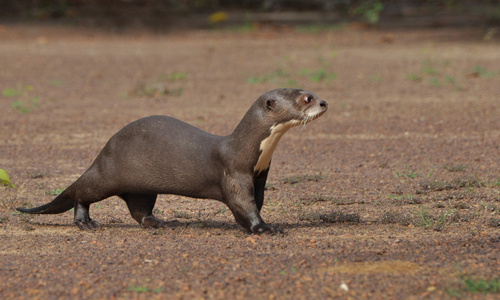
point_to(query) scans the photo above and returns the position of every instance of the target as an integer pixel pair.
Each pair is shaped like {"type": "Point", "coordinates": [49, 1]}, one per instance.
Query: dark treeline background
{"type": "Point", "coordinates": [196, 13]}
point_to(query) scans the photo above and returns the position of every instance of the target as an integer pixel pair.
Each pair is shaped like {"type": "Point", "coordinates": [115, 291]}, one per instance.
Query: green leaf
{"type": "Point", "coordinates": [4, 179]}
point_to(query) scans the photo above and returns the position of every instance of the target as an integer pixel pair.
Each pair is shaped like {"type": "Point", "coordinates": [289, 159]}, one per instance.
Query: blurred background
{"type": "Point", "coordinates": [169, 14]}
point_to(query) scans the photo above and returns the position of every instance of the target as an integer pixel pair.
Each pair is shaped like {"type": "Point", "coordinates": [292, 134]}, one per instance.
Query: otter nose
{"type": "Point", "coordinates": [323, 104]}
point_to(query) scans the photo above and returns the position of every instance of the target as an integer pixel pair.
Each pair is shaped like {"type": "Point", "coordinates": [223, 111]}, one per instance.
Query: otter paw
{"type": "Point", "coordinates": [264, 228]}
{"type": "Point", "coordinates": [87, 225]}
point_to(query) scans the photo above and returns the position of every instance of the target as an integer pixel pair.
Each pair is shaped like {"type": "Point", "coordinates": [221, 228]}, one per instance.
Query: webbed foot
{"type": "Point", "coordinates": [264, 228]}
{"type": "Point", "coordinates": [87, 225]}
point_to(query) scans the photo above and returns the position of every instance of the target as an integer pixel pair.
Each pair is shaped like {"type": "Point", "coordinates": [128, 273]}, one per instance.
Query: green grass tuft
{"type": "Point", "coordinates": [480, 285]}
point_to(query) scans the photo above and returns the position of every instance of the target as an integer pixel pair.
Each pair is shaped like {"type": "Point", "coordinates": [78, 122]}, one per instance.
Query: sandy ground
{"type": "Point", "coordinates": [394, 193]}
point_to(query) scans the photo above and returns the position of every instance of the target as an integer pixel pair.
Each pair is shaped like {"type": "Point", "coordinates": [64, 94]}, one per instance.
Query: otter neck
{"type": "Point", "coordinates": [268, 145]}
{"type": "Point", "coordinates": [256, 137]}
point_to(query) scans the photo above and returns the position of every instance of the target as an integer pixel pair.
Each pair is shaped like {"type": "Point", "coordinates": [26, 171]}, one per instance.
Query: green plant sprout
{"type": "Point", "coordinates": [5, 180]}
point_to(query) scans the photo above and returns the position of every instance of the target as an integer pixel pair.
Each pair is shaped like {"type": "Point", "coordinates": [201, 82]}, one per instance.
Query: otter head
{"type": "Point", "coordinates": [293, 107]}
{"type": "Point", "coordinates": [286, 108]}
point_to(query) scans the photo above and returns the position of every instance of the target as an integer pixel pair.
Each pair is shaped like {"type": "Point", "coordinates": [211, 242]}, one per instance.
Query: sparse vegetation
{"type": "Point", "coordinates": [24, 102]}
{"type": "Point", "coordinates": [157, 211]}
{"type": "Point", "coordinates": [414, 77]}
{"type": "Point", "coordinates": [318, 75]}
{"type": "Point", "coordinates": [434, 81]}
{"type": "Point", "coordinates": [456, 168]}
{"type": "Point", "coordinates": [407, 173]}
{"type": "Point", "coordinates": [482, 72]}
{"type": "Point", "coordinates": [452, 185]}
{"type": "Point", "coordinates": [429, 67]}
{"type": "Point", "coordinates": [286, 78]}
{"type": "Point", "coordinates": [435, 70]}
{"type": "Point", "coordinates": [143, 289]}
{"type": "Point", "coordinates": [279, 75]}
{"type": "Point", "coordinates": [11, 92]}
{"type": "Point", "coordinates": [174, 76]}
{"type": "Point", "coordinates": [438, 73]}
{"type": "Point", "coordinates": [370, 11]}
{"type": "Point", "coordinates": [139, 289]}
{"type": "Point", "coordinates": [476, 284]}
{"type": "Point", "coordinates": [433, 221]}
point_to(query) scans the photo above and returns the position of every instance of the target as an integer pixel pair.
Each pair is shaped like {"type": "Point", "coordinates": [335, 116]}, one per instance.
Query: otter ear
{"type": "Point", "coordinates": [270, 104]}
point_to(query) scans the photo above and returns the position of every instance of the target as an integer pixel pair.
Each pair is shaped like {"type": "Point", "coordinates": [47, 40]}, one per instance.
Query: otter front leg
{"type": "Point", "coordinates": [239, 196]}
{"type": "Point", "coordinates": [259, 187]}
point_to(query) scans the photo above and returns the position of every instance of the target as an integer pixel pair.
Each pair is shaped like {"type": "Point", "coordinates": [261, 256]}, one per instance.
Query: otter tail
{"type": "Point", "coordinates": [60, 204]}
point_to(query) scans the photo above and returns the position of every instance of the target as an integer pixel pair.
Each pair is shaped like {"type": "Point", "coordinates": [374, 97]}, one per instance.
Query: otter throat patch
{"type": "Point", "coordinates": [268, 144]}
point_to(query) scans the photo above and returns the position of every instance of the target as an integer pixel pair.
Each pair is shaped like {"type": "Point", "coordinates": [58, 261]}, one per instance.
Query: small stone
{"type": "Point", "coordinates": [343, 286]}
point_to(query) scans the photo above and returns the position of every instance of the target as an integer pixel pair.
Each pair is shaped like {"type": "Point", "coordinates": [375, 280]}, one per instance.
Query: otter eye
{"type": "Point", "coordinates": [308, 99]}
{"type": "Point", "coordinates": [270, 104]}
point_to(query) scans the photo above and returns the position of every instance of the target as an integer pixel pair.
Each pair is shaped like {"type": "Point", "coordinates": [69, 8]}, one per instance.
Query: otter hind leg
{"type": "Point", "coordinates": [82, 217]}
{"type": "Point", "coordinates": [141, 208]}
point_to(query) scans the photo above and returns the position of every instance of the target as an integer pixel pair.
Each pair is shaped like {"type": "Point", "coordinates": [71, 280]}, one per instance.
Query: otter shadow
{"type": "Point", "coordinates": [281, 227]}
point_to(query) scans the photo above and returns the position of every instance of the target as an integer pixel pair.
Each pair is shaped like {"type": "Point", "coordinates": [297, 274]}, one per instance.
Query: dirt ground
{"type": "Point", "coordinates": [393, 193]}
